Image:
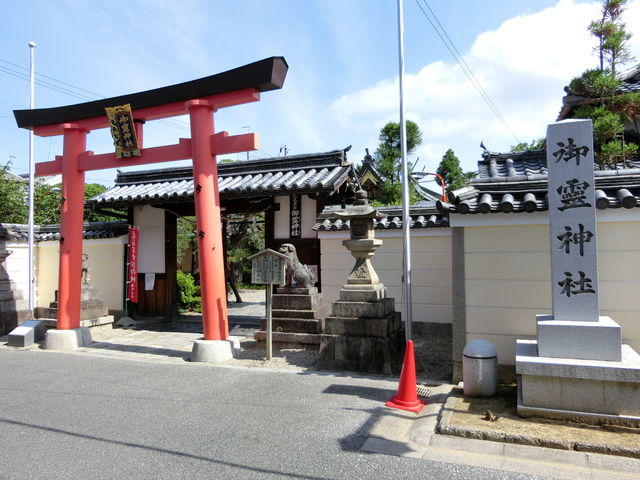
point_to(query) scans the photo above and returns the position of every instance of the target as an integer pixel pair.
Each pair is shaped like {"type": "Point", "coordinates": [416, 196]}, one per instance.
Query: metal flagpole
{"type": "Point", "coordinates": [406, 250]}
{"type": "Point", "coordinates": [32, 76]}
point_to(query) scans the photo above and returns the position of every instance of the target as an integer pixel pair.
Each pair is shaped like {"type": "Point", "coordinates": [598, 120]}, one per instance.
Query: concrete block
{"type": "Point", "coordinates": [296, 302]}
{"type": "Point", "coordinates": [214, 351]}
{"type": "Point", "coordinates": [363, 293]}
{"type": "Point", "coordinates": [364, 327]}
{"type": "Point", "coordinates": [529, 363]}
{"type": "Point", "coordinates": [363, 309]}
{"type": "Point", "coordinates": [591, 390]}
{"type": "Point", "coordinates": [545, 392]}
{"type": "Point", "coordinates": [584, 396]}
{"type": "Point", "coordinates": [599, 340]}
{"type": "Point", "coordinates": [67, 340]}
{"type": "Point", "coordinates": [622, 397]}
{"type": "Point", "coordinates": [27, 333]}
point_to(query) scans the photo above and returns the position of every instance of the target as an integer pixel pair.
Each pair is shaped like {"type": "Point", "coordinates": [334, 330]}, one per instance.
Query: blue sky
{"type": "Point", "coordinates": [343, 67]}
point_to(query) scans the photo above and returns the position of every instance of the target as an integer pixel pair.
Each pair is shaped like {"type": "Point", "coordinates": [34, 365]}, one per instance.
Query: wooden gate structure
{"type": "Point", "coordinates": [199, 99]}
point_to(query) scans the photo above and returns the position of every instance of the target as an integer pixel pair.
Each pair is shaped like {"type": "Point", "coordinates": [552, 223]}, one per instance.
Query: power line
{"type": "Point", "coordinates": [73, 90]}
{"type": "Point", "coordinates": [448, 43]}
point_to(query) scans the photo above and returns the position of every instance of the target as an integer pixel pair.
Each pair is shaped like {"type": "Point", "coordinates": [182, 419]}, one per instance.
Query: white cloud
{"type": "Point", "coordinates": [523, 65]}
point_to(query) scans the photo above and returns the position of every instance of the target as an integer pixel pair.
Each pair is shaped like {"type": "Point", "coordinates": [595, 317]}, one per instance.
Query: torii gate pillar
{"type": "Point", "coordinates": [209, 232]}
{"type": "Point", "coordinates": [71, 222]}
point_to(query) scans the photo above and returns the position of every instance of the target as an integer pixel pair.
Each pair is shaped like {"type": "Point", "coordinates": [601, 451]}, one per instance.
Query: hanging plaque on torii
{"type": "Point", "coordinates": [199, 99]}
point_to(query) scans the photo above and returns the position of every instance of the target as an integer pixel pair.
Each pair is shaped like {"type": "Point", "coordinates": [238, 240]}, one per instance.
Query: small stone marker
{"type": "Point", "coordinates": [26, 333]}
{"type": "Point", "coordinates": [267, 267]}
{"type": "Point", "coordinates": [572, 221]}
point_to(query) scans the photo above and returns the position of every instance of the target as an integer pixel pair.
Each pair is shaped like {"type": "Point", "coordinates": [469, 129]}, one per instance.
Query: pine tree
{"type": "Point", "coordinates": [388, 162]}
{"type": "Point", "coordinates": [609, 110]}
{"type": "Point", "coordinates": [451, 172]}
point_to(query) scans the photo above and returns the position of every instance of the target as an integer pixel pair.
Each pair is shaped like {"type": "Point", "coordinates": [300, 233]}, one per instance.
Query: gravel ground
{"type": "Point", "coordinates": [467, 417]}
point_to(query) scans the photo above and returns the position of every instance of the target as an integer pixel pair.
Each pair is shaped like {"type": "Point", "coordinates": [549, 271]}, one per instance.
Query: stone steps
{"type": "Point", "coordinates": [283, 339]}
{"type": "Point", "coordinates": [310, 314]}
{"type": "Point", "coordinates": [293, 325]}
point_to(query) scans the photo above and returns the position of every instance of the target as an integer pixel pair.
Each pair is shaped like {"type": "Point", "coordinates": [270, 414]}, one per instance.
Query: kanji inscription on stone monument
{"type": "Point", "coordinates": [572, 221]}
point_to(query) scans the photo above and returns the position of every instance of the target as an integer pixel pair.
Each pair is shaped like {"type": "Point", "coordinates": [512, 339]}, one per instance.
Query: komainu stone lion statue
{"type": "Point", "coordinates": [297, 275]}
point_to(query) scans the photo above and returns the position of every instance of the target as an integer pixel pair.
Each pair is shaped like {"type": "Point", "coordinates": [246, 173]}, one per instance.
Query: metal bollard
{"type": "Point", "coordinates": [480, 369]}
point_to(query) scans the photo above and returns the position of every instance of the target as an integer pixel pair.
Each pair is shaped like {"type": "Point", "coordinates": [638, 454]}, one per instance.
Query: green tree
{"type": "Point", "coordinates": [607, 108]}
{"type": "Point", "coordinates": [13, 194]}
{"type": "Point", "coordinates": [388, 161]}
{"type": "Point", "coordinates": [613, 38]}
{"type": "Point", "coordinates": [14, 202]}
{"type": "Point", "coordinates": [535, 144]}
{"type": "Point", "coordinates": [91, 190]}
{"type": "Point", "coordinates": [451, 172]}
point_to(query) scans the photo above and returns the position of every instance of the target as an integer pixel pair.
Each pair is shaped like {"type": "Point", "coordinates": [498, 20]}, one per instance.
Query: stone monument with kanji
{"type": "Point", "coordinates": [577, 367]}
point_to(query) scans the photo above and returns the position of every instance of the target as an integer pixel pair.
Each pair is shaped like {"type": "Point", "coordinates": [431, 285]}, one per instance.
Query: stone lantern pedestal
{"type": "Point", "coordinates": [364, 333]}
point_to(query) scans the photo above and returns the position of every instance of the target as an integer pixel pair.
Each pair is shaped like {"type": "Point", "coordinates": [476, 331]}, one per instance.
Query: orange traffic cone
{"type": "Point", "coordinates": [407, 397]}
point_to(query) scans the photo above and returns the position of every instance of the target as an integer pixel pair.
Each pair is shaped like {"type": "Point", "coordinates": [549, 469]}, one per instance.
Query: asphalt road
{"type": "Point", "coordinates": [67, 416]}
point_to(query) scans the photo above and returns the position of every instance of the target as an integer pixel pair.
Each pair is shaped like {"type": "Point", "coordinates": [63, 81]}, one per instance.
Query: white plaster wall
{"type": "Point", "coordinates": [150, 221]}
{"type": "Point", "coordinates": [430, 278]}
{"type": "Point", "coordinates": [106, 266]}
{"type": "Point", "coordinates": [17, 265]}
{"type": "Point", "coordinates": [281, 218]}
{"type": "Point", "coordinates": [507, 280]}
{"type": "Point", "coordinates": [309, 216]}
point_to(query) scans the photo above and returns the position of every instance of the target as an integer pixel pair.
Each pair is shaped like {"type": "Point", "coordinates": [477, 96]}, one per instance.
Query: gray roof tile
{"type": "Point", "coordinates": [421, 217]}
{"type": "Point", "coordinates": [41, 233]}
{"type": "Point", "coordinates": [517, 182]}
{"type": "Point", "coordinates": [303, 174]}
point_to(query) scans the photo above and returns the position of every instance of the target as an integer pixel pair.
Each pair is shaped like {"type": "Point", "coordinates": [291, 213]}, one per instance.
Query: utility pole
{"type": "Point", "coordinates": [32, 76]}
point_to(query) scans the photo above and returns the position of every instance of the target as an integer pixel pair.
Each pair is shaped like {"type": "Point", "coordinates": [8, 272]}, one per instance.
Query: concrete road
{"type": "Point", "coordinates": [67, 416]}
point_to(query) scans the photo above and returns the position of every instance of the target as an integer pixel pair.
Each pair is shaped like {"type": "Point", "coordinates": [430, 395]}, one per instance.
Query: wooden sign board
{"type": "Point", "coordinates": [267, 266]}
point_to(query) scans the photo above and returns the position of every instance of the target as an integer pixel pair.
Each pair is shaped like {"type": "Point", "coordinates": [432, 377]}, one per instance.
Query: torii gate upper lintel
{"type": "Point", "coordinates": [199, 99]}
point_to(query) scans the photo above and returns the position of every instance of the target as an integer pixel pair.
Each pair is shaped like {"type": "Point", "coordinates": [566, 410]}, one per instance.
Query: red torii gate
{"type": "Point", "coordinates": [199, 99]}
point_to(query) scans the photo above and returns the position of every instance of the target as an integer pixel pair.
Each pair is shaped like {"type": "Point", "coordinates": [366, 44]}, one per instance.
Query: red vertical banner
{"type": "Point", "coordinates": [132, 269]}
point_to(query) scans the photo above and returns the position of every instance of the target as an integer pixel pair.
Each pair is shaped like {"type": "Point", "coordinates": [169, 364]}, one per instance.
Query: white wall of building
{"type": "Point", "coordinates": [430, 277]}
{"type": "Point", "coordinates": [106, 266]}
{"type": "Point", "coordinates": [508, 270]}
{"type": "Point", "coordinates": [281, 217]}
{"type": "Point", "coordinates": [150, 221]}
{"type": "Point", "coordinates": [17, 265]}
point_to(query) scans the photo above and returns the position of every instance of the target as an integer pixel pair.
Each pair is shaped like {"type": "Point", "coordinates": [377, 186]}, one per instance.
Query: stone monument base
{"type": "Point", "coordinates": [95, 324]}
{"type": "Point", "coordinates": [67, 340]}
{"type": "Point", "coordinates": [599, 340]}
{"type": "Point", "coordinates": [363, 336]}
{"type": "Point", "coordinates": [591, 391]}
{"type": "Point", "coordinates": [297, 316]}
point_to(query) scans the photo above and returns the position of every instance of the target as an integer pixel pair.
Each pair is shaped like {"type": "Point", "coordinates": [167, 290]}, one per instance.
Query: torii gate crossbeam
{"type": "Point", "coordinates": [199, 99]}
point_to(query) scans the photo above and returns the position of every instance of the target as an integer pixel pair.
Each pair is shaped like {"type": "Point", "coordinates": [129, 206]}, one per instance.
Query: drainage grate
{"type": "Point", "coordinates": [423, 391]}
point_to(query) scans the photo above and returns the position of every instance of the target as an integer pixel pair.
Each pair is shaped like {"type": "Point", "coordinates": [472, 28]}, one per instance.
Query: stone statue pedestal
{"type": "Point", "coordinates": [14, 308]}
{"type": "Point", "coordinates": [93, 313]}
{"type": "Point", "coordinates": [298, 316]}
{"type": "Point", "coordinates": [364, 333]}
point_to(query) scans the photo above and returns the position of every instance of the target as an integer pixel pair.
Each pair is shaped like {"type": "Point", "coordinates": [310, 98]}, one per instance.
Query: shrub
{"type": "Point", "coordinates": [186, 291]}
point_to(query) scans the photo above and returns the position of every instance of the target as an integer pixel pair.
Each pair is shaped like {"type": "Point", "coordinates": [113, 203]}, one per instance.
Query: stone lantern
{"type": "Point", "coordinates": [364, 333]}
{"type": "Point", "coordinates": [362, 245]}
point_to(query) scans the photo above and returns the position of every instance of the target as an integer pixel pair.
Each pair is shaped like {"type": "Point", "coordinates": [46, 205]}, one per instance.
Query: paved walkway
{"type": "Point", "coordinates": [396, 432]}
